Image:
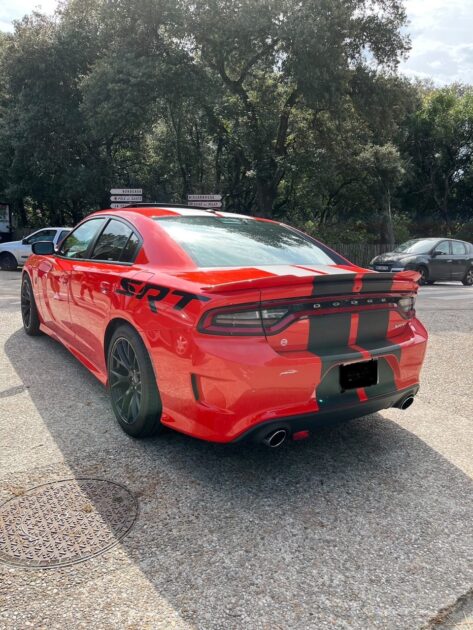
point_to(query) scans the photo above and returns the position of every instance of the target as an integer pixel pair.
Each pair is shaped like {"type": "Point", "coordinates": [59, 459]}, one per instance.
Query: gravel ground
{"type": "Point", "coordinates": [364, 526]}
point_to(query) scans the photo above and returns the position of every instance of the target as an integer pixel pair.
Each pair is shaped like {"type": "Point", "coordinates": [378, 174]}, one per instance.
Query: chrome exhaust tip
{"type": "Point", "coordinates": [275, 438]}
{"type": "Point", "coordinates": [406, 403]}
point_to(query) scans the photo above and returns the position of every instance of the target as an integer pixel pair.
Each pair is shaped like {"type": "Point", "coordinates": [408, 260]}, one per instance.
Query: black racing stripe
{"type": "Point", "coordinates": [329, 332]}
{"type": "Point", "coordinates": [329, 393]}
{"type": "Point", "coordinates": [328, 337]}
{"type": "Point", "coordinates": [386, 382]}
{"type": "Point", "coordinates": [372, 336]}
{"type": "Point", "coordinates": [372, 326]}
{"type": "Point", "coordinates": [332, 287]}
{"type": "Point", "coordinates": [371, 283]}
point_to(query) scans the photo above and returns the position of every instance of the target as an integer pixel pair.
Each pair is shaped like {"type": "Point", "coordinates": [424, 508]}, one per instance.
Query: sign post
{"type": "Point", "coordinates": [125, 196]}
{"type": "Point", "coordinates": [205, 201]}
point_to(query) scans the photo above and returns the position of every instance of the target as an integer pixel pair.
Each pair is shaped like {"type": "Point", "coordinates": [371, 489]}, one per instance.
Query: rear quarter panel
{"type": "Point", "coordinates": [166, 311]}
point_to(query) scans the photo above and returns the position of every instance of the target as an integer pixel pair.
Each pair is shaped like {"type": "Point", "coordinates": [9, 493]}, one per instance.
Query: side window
{"type": "Point", "coordinates": [112, 242]}
{"type": "Point", "coordinates": [131, 248]}
{"type": "Point", "coordinates": [78, 241]}
{"type": "Point", "coordinates": [443, 247]}
{"type": "Point", "coordinates": [44, 235]}
{"type": "Point", "coordinates": [458, 248]}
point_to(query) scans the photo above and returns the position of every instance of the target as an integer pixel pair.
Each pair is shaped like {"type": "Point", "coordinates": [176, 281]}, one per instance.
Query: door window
{"type": "Point", "coordinates": [458, 248]}
{"type": "Point", "coordinates": [131, 248]}
{"type": "Point", "coordinates": [443, 248]}
{"type": "Point", "coordinates": [77, 244]}
{"type": "Point", "coordinates": [44, 235]}
{"type": "Point", "coordinates": [115, 244]}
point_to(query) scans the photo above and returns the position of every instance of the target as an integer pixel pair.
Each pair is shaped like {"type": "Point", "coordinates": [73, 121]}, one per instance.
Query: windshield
{"type": "Point", "coordinates": [234, 242]}
{"type": "Point", "coordinates": [416, 246]}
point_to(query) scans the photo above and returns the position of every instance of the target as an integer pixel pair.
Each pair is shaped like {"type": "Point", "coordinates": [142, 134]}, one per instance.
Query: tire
{"type": "Point", "coordinates": [424, 276]}
{"type": "Point", "coordinates": [29, 312]}
{"type": "Point", "coordinates": [468, 278]}
{"type": "Point", "coordinates": [8, 262]}
{"type": "Point", "coordinates": [134, 392]}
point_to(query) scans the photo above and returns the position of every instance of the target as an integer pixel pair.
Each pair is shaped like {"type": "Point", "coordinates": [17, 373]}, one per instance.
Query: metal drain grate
{"type": "Point", "coordinates": [64, 522]}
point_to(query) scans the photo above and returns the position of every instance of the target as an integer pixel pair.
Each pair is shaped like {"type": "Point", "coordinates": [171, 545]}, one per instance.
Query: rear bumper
{"type": "Point", "coordinates": [328, 417]}
{"type": "Point", "coordinates": [232, 389]}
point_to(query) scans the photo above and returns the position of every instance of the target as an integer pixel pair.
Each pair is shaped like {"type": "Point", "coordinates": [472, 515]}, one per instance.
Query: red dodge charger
{"type": "Point", "coordinates": [223, 326]}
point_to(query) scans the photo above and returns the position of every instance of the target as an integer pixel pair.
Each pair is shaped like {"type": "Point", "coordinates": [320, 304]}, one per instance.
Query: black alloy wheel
{"type": "Point", "coordinates": [424, 276]}
{"type": "Point", "coordinates": [133, 389]}
{"type": "Point", "coordinates": [29, 312]}
{"type": "Point", "coordinates": [468, 279]}
{"type": "Point", "coordinates": [125, 381]}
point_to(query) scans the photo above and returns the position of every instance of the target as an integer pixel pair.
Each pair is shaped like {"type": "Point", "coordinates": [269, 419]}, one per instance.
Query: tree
{"type": "Point", "coordinates": [384, 171]}
{"type": "Point", "coordinates": [275, 56]}
{"type": "Point", "coordinates": [52, 162]}
{"type": "Point", "coordinates": [439, 146]}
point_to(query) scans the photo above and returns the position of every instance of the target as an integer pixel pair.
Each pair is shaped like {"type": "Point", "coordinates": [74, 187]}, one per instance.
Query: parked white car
{"type": "Point", "coordinates": [15, 253]}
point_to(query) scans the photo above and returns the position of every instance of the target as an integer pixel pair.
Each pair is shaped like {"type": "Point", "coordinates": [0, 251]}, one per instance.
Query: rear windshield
{"type": "Point", "coordinates": [234, 242]}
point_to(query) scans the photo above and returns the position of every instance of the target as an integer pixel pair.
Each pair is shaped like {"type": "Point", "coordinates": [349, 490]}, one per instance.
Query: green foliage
{"type": "Point", "coordinates": [439, 148]}
{"type": "Point", "coordinates": [289, 109]}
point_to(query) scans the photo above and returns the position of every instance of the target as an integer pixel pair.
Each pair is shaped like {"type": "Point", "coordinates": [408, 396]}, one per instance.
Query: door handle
{"type": "Point", "coordinates": [105, 287]}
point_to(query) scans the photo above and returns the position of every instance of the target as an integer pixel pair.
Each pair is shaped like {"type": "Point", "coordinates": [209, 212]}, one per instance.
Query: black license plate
{"type": "Point", "coordinates": [354, 375]}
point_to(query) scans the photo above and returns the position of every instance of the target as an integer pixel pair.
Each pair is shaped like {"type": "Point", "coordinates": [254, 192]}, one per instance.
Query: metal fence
{"type": "Point", "coordinates": [360, 253]}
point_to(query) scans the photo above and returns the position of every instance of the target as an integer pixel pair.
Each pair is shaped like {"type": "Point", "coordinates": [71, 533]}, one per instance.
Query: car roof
{"type": "Point", "coordinates": [437, 238]}
{"type": "Point", "coordinates": [51, 227]}
{"type": "Point", "coordinates": [152, 211]}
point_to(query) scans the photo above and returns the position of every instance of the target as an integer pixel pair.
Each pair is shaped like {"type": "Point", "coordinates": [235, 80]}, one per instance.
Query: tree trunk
{"type": "Point", "coordinates": [386, 223]}
{"type": "Point", "coordinates": [20, 210]}
{"type": "Point", "coordinates": [266, 193]}
{"type": "Point", "coordinates": [76, 212]}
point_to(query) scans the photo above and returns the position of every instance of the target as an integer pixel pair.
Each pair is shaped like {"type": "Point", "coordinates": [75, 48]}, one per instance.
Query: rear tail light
{"type": "Point", "coordinates": [406, 305]}
{"type": "Point", "coordinates": [268, 319]}
{"type": "Point", "coordinates": [241, 322]}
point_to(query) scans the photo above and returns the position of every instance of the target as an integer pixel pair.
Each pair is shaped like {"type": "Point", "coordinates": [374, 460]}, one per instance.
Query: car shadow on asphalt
{"type": "Point", "coordinates": [348, 525]}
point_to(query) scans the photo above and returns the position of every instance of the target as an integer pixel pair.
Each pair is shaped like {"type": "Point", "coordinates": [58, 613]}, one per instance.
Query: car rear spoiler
{"type": "Point", "coordinates": [336, 283]}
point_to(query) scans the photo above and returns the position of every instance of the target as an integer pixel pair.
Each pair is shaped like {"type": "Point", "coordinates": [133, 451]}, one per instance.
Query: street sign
{"type": "Point", "coordinates": [119, 205]}
{"type": "Point", "coordinates": [206, 204]}
{"type": "Point", "coordinates": [204, 197]}
{"type": "Point", "coordinates": [126, 191]}
{"type": "Point", "coordinates": [126, 198]}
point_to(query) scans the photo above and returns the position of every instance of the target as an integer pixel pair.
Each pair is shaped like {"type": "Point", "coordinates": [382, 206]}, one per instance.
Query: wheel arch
{"type": "Point", "coordinates": [424, 265]}
{"type": "Point", "coordinates": [112, 325]}
{"type": "Point", "coordinates": [26, 272]}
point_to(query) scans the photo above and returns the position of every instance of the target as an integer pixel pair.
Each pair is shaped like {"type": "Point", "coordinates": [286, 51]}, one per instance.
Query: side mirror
{"type": "Point", "coordinates": [24, 241]}
{"type": "Point", "coordinates": [436, 253]}
{"type": "Point", "coordinates": [43, 248]}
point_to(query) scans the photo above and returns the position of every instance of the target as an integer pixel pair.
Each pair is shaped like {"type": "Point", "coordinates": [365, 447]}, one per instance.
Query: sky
{"type": "Point", "coordinates": [441, 32]}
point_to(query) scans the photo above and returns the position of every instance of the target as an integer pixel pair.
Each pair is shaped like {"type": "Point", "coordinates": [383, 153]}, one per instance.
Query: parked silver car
{"type": "Point", "coordinates": [15, 253]}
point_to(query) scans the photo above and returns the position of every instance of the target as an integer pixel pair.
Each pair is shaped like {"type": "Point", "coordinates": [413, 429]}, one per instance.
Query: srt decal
{"type": "Point", "coordinates": [155, 293]}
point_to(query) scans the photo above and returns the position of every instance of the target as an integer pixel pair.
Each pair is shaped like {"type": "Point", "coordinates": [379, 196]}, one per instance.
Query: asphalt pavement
{"type": "Point", "coordinates": [365, 526]}
{"type": "Point", "coordinates": [448, 296]}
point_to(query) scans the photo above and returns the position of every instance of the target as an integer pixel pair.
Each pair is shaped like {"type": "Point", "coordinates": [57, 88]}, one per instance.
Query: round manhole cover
{"type": "Point", "coordinates": [65, 522]}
